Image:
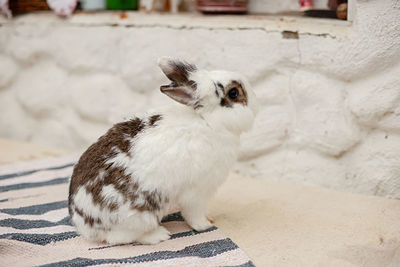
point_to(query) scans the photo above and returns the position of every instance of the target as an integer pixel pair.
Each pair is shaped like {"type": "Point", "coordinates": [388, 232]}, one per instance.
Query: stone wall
{"type": "Point", "coordinates": [330, 112]}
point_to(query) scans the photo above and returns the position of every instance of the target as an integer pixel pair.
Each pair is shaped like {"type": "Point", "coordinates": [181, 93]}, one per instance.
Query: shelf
{"type": "Point", "coordinates": [269, 23]}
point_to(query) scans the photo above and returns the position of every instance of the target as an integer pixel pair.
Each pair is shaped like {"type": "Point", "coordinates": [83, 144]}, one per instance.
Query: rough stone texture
{"type": "Point", "coordinates": [374, 166]}
{"type": "Point", "coordinates": [330, 101]}
{"type": "Point", "coordinates": [8, 71]}
{"type": "Point", "coordinates": [376, 105]}
{"type": "Point", "coordinates": [40, 89]}
{"type": "Point", "coordinates": [320, 120]}
{"type": "Point", "coordinates": [104, 98]}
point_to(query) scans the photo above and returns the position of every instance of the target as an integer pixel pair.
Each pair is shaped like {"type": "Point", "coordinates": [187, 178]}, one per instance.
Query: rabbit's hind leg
{"type": "Point", "coordinates": [116, 237]}
{"type": "Point", "coordinates": [142, 227]}
{"type": "Point", "coordinates": [155, 236]}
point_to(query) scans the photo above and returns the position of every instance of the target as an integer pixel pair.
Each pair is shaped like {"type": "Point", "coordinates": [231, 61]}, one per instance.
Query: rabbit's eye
{"type": "Point", "coordinates": [233, 93]}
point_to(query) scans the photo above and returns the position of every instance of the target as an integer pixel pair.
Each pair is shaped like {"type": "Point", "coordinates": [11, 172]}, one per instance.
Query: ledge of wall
{"type": "Point", "coordinates": [292, 22]}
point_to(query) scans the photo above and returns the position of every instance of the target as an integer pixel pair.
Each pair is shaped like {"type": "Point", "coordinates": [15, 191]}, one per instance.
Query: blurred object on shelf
{"type": "Point", "coordinates": [147, 5]}
{"type": "Point", "coordinates": [63, 8]}
{"type": "Point", "coordinates": [222, 6]}
{"type": "Point", "coordinates": [306, 5]}
{"type": "Point", "coordinates": [24, 6]}
{"type": "Point", "coordinates": [337, 9]}
{"type": "Point", "coordinates": [340, 7]}
{"type": "Point", "coordinates": [172, 5]}
{"type": "Point", "coordinates": [320, 13]}
{"type": "Point", "coordinates": [5, 9]}
{"type": "Point", "coordinates": [169, 5]}
{"type": "Point", "coordinates": [122, 4]}
{"type": "Point", "coordinates": [341, 11]}
{"type": "Point", "coordinates": [333, 4]}
{"type": "Point", "coordinates": [90, 5]}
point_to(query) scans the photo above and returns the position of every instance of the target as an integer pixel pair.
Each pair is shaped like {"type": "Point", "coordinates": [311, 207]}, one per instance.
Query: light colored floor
{"type": "Point", "coordinates": [280, 224]}
{"type": "Point", "coordinates": [14, 151]}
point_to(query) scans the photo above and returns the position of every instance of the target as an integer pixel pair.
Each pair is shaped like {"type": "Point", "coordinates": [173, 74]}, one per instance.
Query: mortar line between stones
{"type": "Point", "coordinates": [182, 27]}
{"type": "Point", "coordinates": [290, 95]}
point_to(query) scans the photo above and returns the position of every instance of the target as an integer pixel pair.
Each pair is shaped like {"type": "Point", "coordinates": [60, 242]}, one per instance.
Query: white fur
{"type": "Point", "coordinates": [186, 157]}
{"type": "Point", "coordinates": [126, 224]}
{"type": "Point", "coordinates": [111, 195]}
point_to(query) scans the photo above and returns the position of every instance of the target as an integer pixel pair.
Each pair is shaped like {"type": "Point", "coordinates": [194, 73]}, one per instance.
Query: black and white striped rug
{"type": "Point", "coordinates": [35, 229]}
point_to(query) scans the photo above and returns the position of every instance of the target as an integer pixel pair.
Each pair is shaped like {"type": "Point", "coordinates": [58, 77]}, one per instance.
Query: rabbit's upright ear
{"type": "Point", "coordinates": [176, 70]}
{"type": "Point", "coordinates": [181, 88]}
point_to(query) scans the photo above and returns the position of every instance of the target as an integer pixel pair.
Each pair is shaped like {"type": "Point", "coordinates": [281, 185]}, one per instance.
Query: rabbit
{"type": "Point", "coordinates": [176, 156]}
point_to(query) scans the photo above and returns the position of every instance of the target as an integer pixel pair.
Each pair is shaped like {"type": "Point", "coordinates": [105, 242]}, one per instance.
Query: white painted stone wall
{"type": "Point", "coordinates": [330, 99]}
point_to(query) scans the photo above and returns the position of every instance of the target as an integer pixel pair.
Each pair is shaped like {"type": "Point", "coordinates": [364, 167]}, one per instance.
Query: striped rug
{"type": "Point", "coordinates": [35, 229]}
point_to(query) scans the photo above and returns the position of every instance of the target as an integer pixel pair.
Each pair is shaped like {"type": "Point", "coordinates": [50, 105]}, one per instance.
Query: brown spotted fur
{"type": "Point", "coordinates": [88, 219]}
{"type": "Point", "coordinates": [93, 162]}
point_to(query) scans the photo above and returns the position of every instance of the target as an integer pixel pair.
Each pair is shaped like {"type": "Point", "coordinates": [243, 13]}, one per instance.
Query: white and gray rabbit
{"type": "Point", "coordinates": [129, 179]}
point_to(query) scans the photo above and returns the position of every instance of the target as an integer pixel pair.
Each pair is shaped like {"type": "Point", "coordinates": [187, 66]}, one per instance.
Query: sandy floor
{"type": "Point", "coordinates": [280, 224]}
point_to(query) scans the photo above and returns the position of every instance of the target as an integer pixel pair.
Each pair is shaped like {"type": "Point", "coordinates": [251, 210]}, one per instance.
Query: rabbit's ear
{"type": "Point", "coordinates": [184, 94]}
{"type": "Point", "coordinates": [181, 89]}
{"type": "Point", "coordinates": [176, 70]}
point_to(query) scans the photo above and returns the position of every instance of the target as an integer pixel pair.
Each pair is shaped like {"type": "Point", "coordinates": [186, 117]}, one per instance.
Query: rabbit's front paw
{"type": "Point", "coordinates": [200, 224]}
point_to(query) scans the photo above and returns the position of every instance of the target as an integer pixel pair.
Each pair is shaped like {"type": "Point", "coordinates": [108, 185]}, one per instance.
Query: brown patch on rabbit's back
{"type": "Point", "coordinates": [122, 132]}
{"type": "Point", "coordinates": [93, 159]}
{"type": "Point", "coordinates": [93, 172]}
